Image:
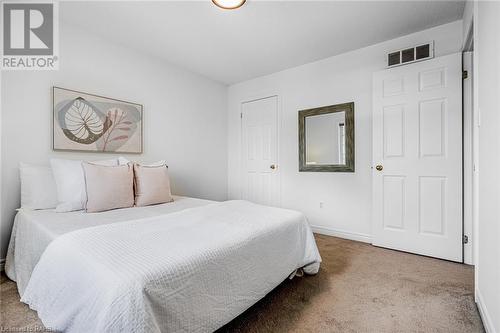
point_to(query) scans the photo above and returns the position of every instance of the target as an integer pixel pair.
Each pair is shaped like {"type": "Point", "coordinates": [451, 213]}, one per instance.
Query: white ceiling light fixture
{"type": "Point", "coordinates": [229, 4]}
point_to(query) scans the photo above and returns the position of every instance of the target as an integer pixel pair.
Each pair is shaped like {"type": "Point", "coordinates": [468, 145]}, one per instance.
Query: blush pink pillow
{"type": "Point", "coordinates": [152, 184]}
{"type": "Point", "coordinates": [108, 187]}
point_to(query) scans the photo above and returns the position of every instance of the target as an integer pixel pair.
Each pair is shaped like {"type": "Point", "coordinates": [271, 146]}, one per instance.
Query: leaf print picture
{"type": "Point", "coordinates": [86, 122]}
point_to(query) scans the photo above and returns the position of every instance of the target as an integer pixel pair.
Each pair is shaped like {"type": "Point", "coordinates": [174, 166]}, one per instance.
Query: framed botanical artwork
{"type": "Point", "coordinates": [86, 122]}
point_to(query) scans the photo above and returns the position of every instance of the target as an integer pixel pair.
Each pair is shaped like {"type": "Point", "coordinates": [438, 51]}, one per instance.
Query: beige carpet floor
{"type": "Point", "coordinates": [360, 288]}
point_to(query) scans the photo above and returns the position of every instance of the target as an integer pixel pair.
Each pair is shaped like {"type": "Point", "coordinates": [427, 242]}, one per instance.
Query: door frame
{"type": "Point", "coordinates": [469, 160]}
{"type": "Point", "coordinates": [241, 173]}
{"type": "Point", "coordinates": [473, 202]}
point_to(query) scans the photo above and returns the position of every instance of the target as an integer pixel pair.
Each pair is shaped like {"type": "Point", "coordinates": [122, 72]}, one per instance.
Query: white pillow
{"type": "Point", "coordinates": [155, 164]}
{"type": "Point", "coordinates": [123, 161]}
{"type": "Point", "coordinates": [70, 181]}
{"type": "Point", "coordinates": [38, 188]}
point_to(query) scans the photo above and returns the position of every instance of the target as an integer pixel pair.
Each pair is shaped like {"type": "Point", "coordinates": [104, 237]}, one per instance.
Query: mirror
{"type": "Point", "coordinates": [326, 139]}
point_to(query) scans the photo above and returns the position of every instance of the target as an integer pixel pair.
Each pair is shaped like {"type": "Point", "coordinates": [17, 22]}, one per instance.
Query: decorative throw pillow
{"type": "Point", "coordinates": [70, 182]}
{"type": "Point", "coordinates": [152, 184]}
{"type": "Point", "coordinates": [108, 187]}
{"type": "Point", "coordinates": [38, 187]}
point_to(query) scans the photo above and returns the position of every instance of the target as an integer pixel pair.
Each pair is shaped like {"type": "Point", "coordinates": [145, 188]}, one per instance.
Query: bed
{"type": "Point", "coordinates": [188, 266]}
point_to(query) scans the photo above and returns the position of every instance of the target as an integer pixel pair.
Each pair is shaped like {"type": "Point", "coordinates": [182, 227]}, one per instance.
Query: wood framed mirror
{"type": "Point", "coordinates": [326, 138]}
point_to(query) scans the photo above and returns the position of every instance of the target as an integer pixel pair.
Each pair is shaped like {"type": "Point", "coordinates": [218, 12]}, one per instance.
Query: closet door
{"type": "Point", "coordinates": [259, 122]}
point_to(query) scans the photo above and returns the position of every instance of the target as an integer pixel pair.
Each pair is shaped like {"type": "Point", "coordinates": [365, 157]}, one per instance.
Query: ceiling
{"type": "Point", "coordinates": [260, 38]}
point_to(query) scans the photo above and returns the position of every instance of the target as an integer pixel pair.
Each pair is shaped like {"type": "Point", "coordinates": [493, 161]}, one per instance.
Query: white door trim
{"type": "Point", "coordinates": [241, 172]}
{"type": "Point", "coordinates": [469, 178]}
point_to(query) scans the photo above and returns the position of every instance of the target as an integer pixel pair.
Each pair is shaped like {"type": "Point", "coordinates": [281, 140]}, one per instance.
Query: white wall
{"type": "Point", "coordinates": [185, 119]}
{"type": "Point", "coordinates": [347, 197]}
{"type": "Point", "coordinates": [467, 19]}
{"type": "Point", "coordinates": [487, 48]}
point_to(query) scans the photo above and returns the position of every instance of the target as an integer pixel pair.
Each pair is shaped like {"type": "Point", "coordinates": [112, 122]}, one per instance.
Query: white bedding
{"type": "Point", "coordinates": [33, 230]}
{"type": "Point", "coordinates": [188, 271]}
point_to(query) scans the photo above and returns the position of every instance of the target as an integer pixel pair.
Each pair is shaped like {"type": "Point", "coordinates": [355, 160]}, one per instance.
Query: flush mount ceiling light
{"type": "Point", "coordinates": [229, 4]}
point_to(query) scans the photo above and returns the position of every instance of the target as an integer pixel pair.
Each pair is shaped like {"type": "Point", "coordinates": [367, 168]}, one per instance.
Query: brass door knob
{"type": "Point", "coordinates": [379, 167]}
{"type": "Point", "coordinates": [272, 166]}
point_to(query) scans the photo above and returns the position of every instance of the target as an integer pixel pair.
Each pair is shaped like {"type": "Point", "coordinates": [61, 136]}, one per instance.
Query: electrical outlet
{"type": "Point", "coordinates": [321, 204]}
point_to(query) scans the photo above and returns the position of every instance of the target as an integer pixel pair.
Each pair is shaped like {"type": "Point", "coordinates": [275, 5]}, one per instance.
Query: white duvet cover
{"type": "Point", "coordinates": [33, 230]}
{"type": "Point", "coordinates": [189, 271]}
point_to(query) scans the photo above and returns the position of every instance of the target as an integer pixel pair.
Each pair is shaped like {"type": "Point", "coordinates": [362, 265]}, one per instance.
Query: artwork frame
{"type": "Point", "coordinates": [86, 122]}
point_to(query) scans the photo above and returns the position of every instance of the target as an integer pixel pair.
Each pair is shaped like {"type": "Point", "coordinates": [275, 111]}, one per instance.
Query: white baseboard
{"type": "Point", "coordinates": [485, 316]}
{"type": "Point", "coordinates": [360, 237]}
{"type": "Point", "coordinates": [2, 265]}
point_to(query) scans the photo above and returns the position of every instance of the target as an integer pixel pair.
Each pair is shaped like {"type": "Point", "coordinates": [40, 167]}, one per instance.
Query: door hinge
{"type": "Point", "coordinates": [466, 239]}
{"type": "Point", "coordinates": [465, 75]}
{"type": "Point", "coordinates": [241, 115]}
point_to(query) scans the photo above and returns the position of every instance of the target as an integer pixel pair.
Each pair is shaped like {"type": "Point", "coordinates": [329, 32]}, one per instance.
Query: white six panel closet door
{"type": "Point", "coordinates": [259, 124]}
{"type": "Point", "coordinates": [417, 158]}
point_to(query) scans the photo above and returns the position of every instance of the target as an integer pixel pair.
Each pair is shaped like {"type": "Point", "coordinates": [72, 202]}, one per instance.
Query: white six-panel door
{"type": "Point", "coordinates": [417, 147]}
{"type": "Point", "coordinates": [260, 150]}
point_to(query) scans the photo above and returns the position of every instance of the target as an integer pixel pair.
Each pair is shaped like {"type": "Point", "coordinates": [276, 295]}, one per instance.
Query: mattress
{"type": "Point", "coordinates": [33, 230]}
{"type": "Point", "coordinates": [188, 266]}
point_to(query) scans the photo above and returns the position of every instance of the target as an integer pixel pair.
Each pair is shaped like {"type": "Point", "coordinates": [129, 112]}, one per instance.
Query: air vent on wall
{"type": "Point", "coordinates": [409, 55]}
